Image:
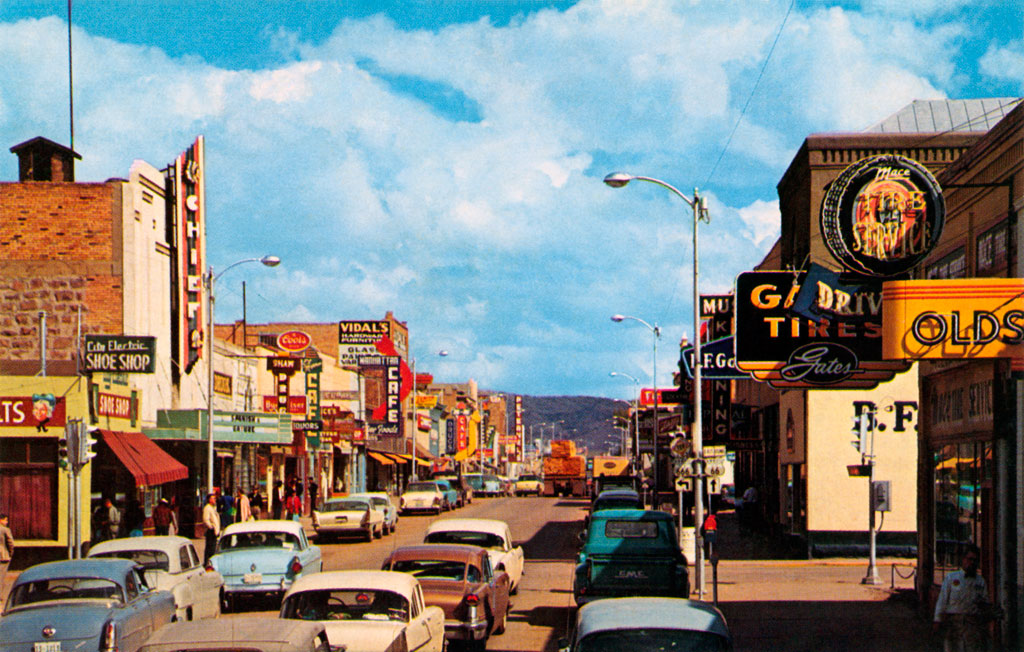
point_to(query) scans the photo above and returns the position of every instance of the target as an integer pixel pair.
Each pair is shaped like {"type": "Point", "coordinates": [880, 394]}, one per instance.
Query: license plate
{"type": "Point", "coordinates": [248, 578]}
{"type": "Point", "coordinates": [340, 519]}
{"type": "Point", "coordinates": [46, 646]}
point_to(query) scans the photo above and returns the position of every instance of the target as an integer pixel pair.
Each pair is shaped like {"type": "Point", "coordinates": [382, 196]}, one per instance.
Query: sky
{"type": "Point", "coordinates": [443, 160]}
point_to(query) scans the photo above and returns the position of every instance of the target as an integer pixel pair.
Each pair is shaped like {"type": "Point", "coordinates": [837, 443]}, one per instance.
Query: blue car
{"type": "Point", "coordinates": [648, 624]}
{"type": "Point", "coordinates": [82, 604]}
{"type": "Point", "coordinates": [263, 558]}
{"type": "Point", "coordinates": [451, 495]}
{"type": "Point", "coordinates": [382, 501]}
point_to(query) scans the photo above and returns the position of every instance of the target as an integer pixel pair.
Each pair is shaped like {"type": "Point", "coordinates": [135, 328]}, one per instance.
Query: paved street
{"type": "Point", "coordinates": [770, 604]}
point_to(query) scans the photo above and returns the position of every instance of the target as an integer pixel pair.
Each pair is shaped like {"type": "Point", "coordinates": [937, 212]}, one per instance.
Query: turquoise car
{"type": "Point", "coordinates": [451, 494]}
{"type": "Point", "coordinates": [648, 624]}
{"type": "Point", "coordinates": [630, 552]}
{"type": "Point", "coordinates": [263, 558]}
{"type": "Point", "coordinates": [82, 604]}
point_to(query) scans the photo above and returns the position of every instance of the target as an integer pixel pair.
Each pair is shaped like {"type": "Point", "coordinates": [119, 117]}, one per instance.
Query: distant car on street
{"type": "Point", "coordinates": [82, 604]}
{"type": "Point", "coordinates": [529, 483]}
{"type": "Point", "coordinates": [460, 485]}
{"type": "Point", "coordinates": [491, 534]}
{"type": "Point", "coordinates": [170, 563]}
{"type": "Point", "coordinates": [248, 634]}
{"type": "Point", "coordinates": [630, 552]}
{"type": "Point", "coordinates": [451, 494]}
{"type": "Point", "coordinates": [382, 501]}
{"type": "Point", "coordinates": [263, 557]}
{"type": "Point", "coordinates": [348, 516]}
{"type": "Point", "coordinates": [422, 497]}
{"type": "Point", "coordinates": [648, 624]}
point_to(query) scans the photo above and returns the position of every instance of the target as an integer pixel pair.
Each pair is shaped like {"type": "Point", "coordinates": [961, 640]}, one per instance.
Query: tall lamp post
{"type": "Point", "coordinates": [700, 212]}
{"type": "Point", "coordinates": [636, 415]}
{"type": "Point", "coordinates": [208, 282]}
{"type": "Point", "coordinates": [416, 419]}
{"type": "Point", "coordinates": [656, 331]}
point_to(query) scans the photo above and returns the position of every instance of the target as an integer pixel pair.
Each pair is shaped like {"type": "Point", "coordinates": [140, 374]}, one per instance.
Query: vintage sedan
{"type": "Point", "coordinates": [527, 484]}
{"type": "Point", "coordinates": [491, 534]}
{"type": "Point", "coordinates": [381, 500]}
{"type": "Point", "coordinates": [486, 484]}
{"type": "Point", "coordinates": [451, 494]}
{"type": "Point", "coordinates": [459, 579]}
{"type": "Point", "coordinates": [263, 557]}
{"type": "Point", "coordinates": [642, 624]}
{"type": "Point", "coordinates": [82, 604]}
{"type": "Point", "coordinates": [348, 516]}
{"type": "Point", "coordinates": [170, 564]}
{"type": "Point", "coordinates": [422, 497]}
{"type": "Point", "coordinates": [250, 633]}
{"type": "Point", "coordinates": [368, 611]}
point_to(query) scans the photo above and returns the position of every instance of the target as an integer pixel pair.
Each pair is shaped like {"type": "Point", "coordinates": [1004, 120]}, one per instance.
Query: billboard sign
{"type": "Point", "coordinates": [120, 354]}
{"type": "Point", "coordinates": [358, 339]}
{"type": "Point", "coordinates": [189, 193]}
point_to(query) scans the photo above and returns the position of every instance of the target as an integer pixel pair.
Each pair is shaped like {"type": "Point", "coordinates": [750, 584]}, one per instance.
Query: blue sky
{"type": "Point", "coordinates": [443, 160]}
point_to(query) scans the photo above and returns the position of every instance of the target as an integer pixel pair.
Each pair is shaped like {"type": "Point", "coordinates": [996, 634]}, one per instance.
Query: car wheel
{"type": "Point", "coordinates": [188, 614]}
{"type": "Point", "coordinates": [225, 603]}
{"type": "Point", "coordinates": [369, 534]}
{"type": "Point", "coordinates": [379, 533]}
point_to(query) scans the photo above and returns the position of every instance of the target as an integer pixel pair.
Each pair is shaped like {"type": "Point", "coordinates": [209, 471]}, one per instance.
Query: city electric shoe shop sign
{"type": "Point", "coordinates": [120, 353]}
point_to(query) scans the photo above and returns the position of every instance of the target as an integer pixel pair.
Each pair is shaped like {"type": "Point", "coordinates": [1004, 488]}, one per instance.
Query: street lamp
{"type": "Point", "coordinates": [636, 416]}
{"type": "Point", "coordinates": [208, 282]}
{"type": "Point", "coordinates": [700, 212]}
{"type": "Point", "coordinates": [656, 331]}
{"type": "Point", "coordinates": [416, 418]}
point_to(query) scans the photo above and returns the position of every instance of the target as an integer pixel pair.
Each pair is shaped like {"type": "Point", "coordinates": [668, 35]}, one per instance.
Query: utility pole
{"type": "Point", "coordinates": [867, 426]}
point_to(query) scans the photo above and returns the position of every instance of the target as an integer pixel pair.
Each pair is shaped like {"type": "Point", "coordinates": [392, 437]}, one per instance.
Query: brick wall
{"type": "Point", "coordinates": [59, 250]}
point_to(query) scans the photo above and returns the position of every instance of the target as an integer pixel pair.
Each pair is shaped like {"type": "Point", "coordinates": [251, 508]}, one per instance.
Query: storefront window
{"type": "Point", "coordinates": [991, 253]}
{"type": "Point", "coordinates": [952, 266]}
{"type": "Point", "coordinates": [960, 472]}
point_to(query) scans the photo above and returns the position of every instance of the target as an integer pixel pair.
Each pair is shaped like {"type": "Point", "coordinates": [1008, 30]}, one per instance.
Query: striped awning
{"type": "Point", "coordinates": [380, 458]}
{"type": "Point", "coordinates": [148, 463]}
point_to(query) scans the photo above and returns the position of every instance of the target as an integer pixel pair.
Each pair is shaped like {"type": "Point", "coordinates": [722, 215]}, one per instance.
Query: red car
{"type": "Point", "coordinates": [460, 580]}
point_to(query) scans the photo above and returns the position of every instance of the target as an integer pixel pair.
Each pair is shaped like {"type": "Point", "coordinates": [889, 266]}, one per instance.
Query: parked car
{"type": "Point", "coordinates": [348, 516]}
{"type": "Point", "coordinates": [603, 483]}
{"type": "Point", "coordinates": [459, 579]}
{"type": "Point", "coordinates": [170, 563]}
{"type": "Point", "coordinates": [382, 501]}
{"type": "Point", "coordinates": [250, 633]}
{"type": "Point", "coordinates": [485, 484]}
{"type": "Point", "coordinates": [422, 497]}
{"type": "Point", "coordinates": [460, 484]}
{"type": "Point", "coordinates": [529, 483]}
{"type": "Point", "coordinates": [451, 494]}
{"type": "Point", "coordinates": [648, 624]}
{"type": "Point", "coordinates": [491, 534]}
{"type": "Point", "coordinates": [368, 611]}
{"type": "Point", "coordinates": [82, 604]}
{"type": "Point", "coordinates": [263, 557]}
{"type": "Point", "coordinates": [630, 552]}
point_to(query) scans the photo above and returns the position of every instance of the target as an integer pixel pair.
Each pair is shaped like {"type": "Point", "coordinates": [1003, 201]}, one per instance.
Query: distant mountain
{"type": "Point", "coordinates": [587, 420]}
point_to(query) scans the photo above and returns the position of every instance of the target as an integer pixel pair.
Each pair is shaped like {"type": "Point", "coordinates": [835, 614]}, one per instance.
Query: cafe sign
{"type": "Point", "coordinates": [954, 318]}
{"type": "Point", "coordinates": [883, 215]}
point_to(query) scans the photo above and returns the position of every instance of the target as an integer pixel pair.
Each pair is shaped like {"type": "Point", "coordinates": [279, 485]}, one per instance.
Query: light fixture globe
{"type": "Point", "coordinates": [270, 261]}
{"type": "Point", "coordinates": [618, 179]}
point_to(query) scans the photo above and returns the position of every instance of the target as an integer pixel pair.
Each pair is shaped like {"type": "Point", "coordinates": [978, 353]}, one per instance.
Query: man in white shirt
{"type": "Point", "coordinates": [211, 519]}
{"type": "Point", "coordinates": [958, 609]}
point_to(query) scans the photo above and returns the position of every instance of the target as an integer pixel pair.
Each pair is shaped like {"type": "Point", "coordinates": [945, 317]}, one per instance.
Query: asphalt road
{"type": "Point", "coordinates": [545, 527]}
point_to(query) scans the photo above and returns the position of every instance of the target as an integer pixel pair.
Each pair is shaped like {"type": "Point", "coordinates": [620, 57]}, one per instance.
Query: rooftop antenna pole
{"type": "Point", "coordinates": [71, 87]}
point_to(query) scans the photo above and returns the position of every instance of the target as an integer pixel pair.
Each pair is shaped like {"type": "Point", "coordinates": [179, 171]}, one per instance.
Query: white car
{"type": "Point", "coordinates": [368, 611]}
{"type": "Point", "coordinates": [422, 496]}
{"type": "Point", "coordinates": [381, 500]}
{"type": "Point", "coordinates": [171, 564]}
{"type": "Point", "coordinates": [352, 515]}
{"type": "Point", "coordinates": [528, 483]}
{"type": "Point", "coordinates": [492, 534]}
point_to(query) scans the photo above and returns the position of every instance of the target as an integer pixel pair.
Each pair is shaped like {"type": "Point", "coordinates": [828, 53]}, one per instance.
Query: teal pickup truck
{"type": "Point", "coordinates": [630, 552]}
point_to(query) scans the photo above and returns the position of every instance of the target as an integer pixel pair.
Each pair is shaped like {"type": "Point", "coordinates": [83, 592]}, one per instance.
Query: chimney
{"type": "Point", "coordinates": [41, 159]}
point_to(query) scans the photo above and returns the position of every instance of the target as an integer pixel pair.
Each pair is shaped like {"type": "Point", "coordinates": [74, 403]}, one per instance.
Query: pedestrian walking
{"type": "Point", "coordinates": [748, 515]}
{"type": "Point", "coordinates": [113, 519]}
{"type": "Point", "coordinates": [960, 611]}
{"type": "Point", "coordinates": [293, 506]}
{"type": "Point", "coordinates": [244, 508]}
{"type": "Point", "coordinates": [163, 516]}
{"type": "Point", "coordinates": [227, 508]}
{"type": "Point", "coordinates": [6, 551]}
{"type": "Point", "coordinates": [256, 504]}
{"type": "Point", "coordinates": [277, 500]}
{"type": "Point", "coordinates": [313, 489]}
{"type": "Point", "coordinates": [211, 519]}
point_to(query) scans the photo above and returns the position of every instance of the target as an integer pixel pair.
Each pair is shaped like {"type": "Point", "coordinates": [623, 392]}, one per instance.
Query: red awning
{"type": "Point", "coordinates": [146, 461]}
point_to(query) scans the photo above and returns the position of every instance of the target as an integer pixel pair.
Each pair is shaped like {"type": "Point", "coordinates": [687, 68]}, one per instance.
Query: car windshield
{"type": "Point", "coordinates": [379, 502]}
{"type": "Point", "coordinates": [674, 640]}
{"type": "Point", "coordinates": [431, 569]}
{"type": "Point", "coordinates": [482, 539]}
{"type": "Point", "coordinates": [617, 503]}
{"type": "Point", "coordinates": [491, 478]}
{"type": "Point", "coordinates": [528, 478]}
{"type": "Point", "coordinates": [65, 588]}
{"type": "Point", "coordinates": [242, 540]}
{"type": "Point", "coordinates": [151, 559]}
{"type": "Point", "coordinates": [422, 486]}
{"type": "Point", "coordinates": [345, 506]}
{"type": "Point", "coordinates": [475, 481]}
{"type": "Point", "coordinates": [346, 604]}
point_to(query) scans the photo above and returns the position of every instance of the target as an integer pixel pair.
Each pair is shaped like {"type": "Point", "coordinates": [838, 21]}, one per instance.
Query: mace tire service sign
{"type": "Point", "coordinates": [120, 353]}
{"type": "Point", "coordinates": [883, 215]}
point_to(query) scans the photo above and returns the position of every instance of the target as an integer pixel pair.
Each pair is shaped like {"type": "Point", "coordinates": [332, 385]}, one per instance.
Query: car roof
{"type": "Point", "coordinates": [632, 515]}
{"type": "Point", "coordinates": [264, 526]}
{"type": "Point", "coordinates": [441, 551]}
{"type": "Point", "coordinates": [356, 579]}
{"type": "Point", "coordinates": [112, 569]}
{"type": "Point", "coordinates": [368, 494]}
{"type": "Point", "coordinates": [662, 613]}
{"type": "Point", "coordinates": [618, 493]}
{"type": "Point", "coordinates": [168, 543]}
{"type": "Point", "coordinates": [232, 630]}
{"type": "Point", "coordinates": [490, 525]}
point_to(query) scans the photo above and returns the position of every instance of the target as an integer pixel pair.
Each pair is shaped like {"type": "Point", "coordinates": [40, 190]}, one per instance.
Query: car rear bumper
{"type": "Point", "coordinates": [463, 631]}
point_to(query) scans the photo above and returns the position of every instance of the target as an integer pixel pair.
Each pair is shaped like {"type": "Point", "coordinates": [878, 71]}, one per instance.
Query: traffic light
{"type": "Point", "coordinates": [85, 445]}
{"type": "Point", "coordinates": [62, 452]}
{"type": "Point", "coordinates": [861, 426]}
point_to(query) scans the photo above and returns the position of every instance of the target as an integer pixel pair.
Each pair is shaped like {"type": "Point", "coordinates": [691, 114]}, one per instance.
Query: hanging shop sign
{"type": "Point", "coordinates": [39, 411]}
{"type": "Point", "coordinates": [120, 353]}
{"type": "Point", "coordinates": [955, 318]}
{"type": "Point", "coordinates": [222, 384]}
{"type": "Point", "coordinates": [189, 191]}
{"type": "Point", "coordinates": [776, 345]}
{"type": "Point", "coordinates": [113, 405]}
{"type": "Point", "coordinates": [294, 341]}
{"type": "Point", "coordinates": [450, 437]}
{"type": "Point", "coordinates": [357, 339]}
{"type": "Point", "coordinates": [718, 359]}
{"type": "Point", "coordinates": [293, 405]}
{"type": "Point", "coordinates": [883, 215]}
